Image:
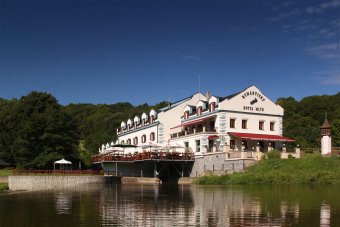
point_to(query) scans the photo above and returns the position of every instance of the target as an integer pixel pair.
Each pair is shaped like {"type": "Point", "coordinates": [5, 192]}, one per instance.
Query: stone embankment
{"type": "Point", "coordinates": [33, 183]}
{"type": "Point", "coordinates": [4, 180]}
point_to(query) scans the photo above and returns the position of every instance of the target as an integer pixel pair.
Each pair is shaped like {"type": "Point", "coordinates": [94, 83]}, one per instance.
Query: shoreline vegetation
{"type": "Point", "coordinates": [3, 187]}
{"type": "Point", "coordinates": [310, 169]}
{"type": "Point", "coordinates": [5, 173]}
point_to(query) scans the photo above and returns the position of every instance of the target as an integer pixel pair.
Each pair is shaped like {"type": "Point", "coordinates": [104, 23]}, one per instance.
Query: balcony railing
{"type": "Point", "coordinates": [146, 155]}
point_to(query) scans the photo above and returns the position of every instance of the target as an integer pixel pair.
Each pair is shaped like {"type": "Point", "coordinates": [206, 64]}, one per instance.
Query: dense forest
{"type": "Point", "coordinates": [35, 130]}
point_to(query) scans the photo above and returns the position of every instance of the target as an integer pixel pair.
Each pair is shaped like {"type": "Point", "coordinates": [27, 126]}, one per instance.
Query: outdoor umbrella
{"type": "Point", "coordinates": [62, 162]}
{"type": "Point", "coordinates": [151, 145]}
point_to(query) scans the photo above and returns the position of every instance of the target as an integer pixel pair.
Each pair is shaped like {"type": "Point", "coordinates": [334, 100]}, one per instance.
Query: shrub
{"type": "Point", "coordinates": [274, 154]}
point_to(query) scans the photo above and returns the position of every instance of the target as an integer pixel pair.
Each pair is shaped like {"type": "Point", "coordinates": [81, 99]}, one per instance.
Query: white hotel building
{"type": "Point", "coordinates": [208, 124]}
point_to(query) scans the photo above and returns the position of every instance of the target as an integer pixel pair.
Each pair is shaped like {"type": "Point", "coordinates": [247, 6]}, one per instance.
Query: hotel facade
{"type": "Point", "coordinates": [206, 124]}
{"type": "Point", "coordinates": [206, 133]}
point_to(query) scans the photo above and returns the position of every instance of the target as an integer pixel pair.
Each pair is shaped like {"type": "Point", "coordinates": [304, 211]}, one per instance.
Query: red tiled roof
{"type": "Point", "coordinates": [264, 137]}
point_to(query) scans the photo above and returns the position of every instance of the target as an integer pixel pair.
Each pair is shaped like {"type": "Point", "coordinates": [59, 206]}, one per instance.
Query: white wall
{"type": "Point", "coordinates": [172, 117]}
{"type": "Point", "coordinates": [139, 133]}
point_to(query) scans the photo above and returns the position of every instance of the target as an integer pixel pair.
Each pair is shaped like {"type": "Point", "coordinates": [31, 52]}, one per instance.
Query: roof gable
{"type": "Point", "coordinates": [251, 100]}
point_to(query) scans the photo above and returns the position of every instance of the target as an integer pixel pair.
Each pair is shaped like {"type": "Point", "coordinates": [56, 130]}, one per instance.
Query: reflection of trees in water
{"type": "Point", "coordinates": [146, 205]}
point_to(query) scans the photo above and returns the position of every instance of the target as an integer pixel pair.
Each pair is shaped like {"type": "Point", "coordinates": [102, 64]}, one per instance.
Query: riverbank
{"type": "Point", "coordinates": [311, 169]}
{"type": "Point", "coordinates": [3, 187]}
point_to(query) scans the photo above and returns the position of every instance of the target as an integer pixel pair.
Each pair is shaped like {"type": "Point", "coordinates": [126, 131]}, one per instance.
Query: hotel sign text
{"type": "Point", "coordinates": [258, 96]}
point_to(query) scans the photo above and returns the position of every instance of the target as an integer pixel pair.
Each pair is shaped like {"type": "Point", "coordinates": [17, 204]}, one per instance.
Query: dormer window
{"type": "Point", "coordinates": [212, 106]}
{"type": "Point", "coordinates": [144, 118]}
{"type": "Point", "coordinates": [153, 116]}
{"type": "Point", "coordinates": [186, 114]}
{"type": "Point", "coordinates": [199, 111]}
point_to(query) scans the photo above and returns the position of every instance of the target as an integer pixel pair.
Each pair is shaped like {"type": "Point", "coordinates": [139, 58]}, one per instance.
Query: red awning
{"type": "Point", "coordinates": [260, 137]}
{"type": "Point", "coordinates": [194, 122]}
{"type": "Point", "coordinates": [213, 137]}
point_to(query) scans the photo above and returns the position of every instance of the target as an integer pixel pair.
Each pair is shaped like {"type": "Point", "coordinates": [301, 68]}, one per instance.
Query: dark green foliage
{"type": "Point", "coordinates": [35, 132]}
{"type": "Point", "coordinates": [303, 119]}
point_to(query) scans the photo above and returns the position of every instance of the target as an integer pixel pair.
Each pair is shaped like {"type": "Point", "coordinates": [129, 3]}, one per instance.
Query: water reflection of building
{"type": "Point", "coordinates": [157, 205]}
{"type": "Point", "coordinates": [63, 203]}
{"type": "Point", "coordinates": [230, 207]}
{"type": "Point", "coordinates": [146, 205]}
{"type": "Point", "coordinates": [325, 214]}
{"type": "Point", "coordinates": [164, 205]}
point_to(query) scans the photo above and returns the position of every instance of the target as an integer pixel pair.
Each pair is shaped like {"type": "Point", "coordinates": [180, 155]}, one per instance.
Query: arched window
{"type": "Point", "coordinates": [135, 140]}
{"type": "Point", "coordinates": [143, 138]}
{"type": "Point", "coordinates": [152, 136]}
{"type": "Point", "coordinates": [122, 141]}
{"type": "Point", "coordinates": [128, 141]}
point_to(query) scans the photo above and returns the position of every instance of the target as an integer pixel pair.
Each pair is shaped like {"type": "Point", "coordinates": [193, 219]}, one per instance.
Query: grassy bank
{"type": "Point", "coordinates": [6, 172]}
{"type": "Point", "coordinates": [311, 169]}
{"type": "Point", "coordinates": [3, 186]}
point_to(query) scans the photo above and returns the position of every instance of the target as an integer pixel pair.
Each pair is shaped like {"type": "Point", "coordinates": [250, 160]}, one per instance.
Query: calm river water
{"type": "Point", "coordinates": [164, 205]}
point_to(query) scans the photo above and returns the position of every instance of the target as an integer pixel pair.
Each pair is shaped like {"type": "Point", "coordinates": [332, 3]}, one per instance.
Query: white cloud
{"type": "Point", "coordinates": [191, 57]}
{"type": "Point", "coordinates": [284, 15]}
{"type": "Point", "coordinates": [336, 22]}
{"type": "Point", "coordinates": [329, 51]}
{"type": "Point", "coordinates": [323, 6]}
{"type": "Point", "coordinates": [331, 79]}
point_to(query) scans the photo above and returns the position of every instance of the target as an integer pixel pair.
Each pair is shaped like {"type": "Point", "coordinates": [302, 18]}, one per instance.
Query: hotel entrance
{"type": "Point", "coordinates": [213, 143]}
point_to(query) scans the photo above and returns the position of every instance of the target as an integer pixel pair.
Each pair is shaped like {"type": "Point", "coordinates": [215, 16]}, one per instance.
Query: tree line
{"type": "Point", "coordinates": [36, 130]}
{"type": "Point", "coordinates": [303, 119]}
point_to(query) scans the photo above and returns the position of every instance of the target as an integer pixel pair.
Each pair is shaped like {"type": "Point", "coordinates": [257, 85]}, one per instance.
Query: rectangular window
{"type": "Point", "coordinates": [245, 144]}
{"type": "Point", "coordinates": [232, 144]}
{"type": "Point", "coordinates": [232, 123]}
{"type": "Point", "coordinates": [244, 124]}
{"type": "Point", "coordinates": [211, 126]}
{"type": "Point", "coordinates": [186, 145]}
{"type": "Point", "coordinates": [272, 126]}
{"type": "Point", "coordinates": [198, 145]}
{"type": "Point", "coordinates": [261, 125]}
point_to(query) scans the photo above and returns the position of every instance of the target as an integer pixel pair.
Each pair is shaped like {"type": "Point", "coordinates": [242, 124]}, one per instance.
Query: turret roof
{"type": "Point", "coordinates": [325, 123]}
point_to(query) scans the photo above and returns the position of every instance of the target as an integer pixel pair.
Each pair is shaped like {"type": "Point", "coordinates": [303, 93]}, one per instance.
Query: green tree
{"type": "Point", "coordinates": [44, 132]}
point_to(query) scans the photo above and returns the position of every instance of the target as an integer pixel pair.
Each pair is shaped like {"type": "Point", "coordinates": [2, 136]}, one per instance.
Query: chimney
{"type": "Point", "coordinates": [208, 95]}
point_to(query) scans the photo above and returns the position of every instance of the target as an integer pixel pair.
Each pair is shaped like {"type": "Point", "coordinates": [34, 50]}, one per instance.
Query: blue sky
{"type": "Point", "coordinates": [149, 51]}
